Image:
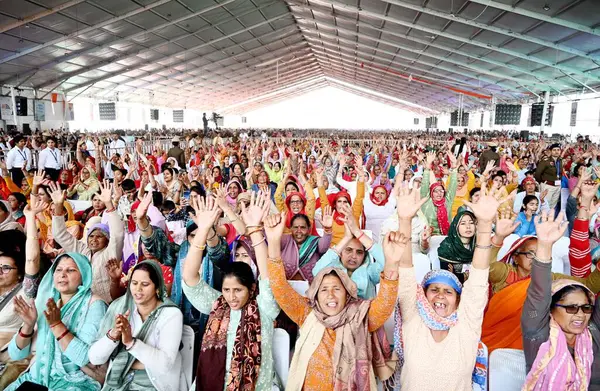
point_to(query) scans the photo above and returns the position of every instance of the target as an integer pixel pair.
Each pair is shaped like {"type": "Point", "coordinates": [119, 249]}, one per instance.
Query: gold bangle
{"type": "Point", "coordinates": [275, 260]}
{"type": "Point", "coordinates": [201, 248]}
{"type": "Point", "coordinates": [253, 231]}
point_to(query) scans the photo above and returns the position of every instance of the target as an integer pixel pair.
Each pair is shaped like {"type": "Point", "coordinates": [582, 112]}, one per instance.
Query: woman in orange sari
{"type": "Point", "coordinates": [509, 279]}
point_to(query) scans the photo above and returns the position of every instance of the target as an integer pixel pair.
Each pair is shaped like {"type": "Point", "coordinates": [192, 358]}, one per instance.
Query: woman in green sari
{"type": "Point", "coordinates": [142, 358]}
{"type": "Point", "coordinates": [67, 317]}
{"type": "Point", "coordinates": [456, 250]}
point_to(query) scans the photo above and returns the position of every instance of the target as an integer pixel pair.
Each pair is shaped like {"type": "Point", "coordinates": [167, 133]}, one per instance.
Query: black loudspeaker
{"type": "Point", "coordinates": [26, 130]}
{"type": "Point", "coordinates": [524, 135]}
{"type": "Point", "coordinates": [21, 103]}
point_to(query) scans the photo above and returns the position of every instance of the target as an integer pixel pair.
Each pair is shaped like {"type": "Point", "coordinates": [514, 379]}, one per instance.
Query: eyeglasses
{"type": "Point", "coordinates": [528, 254]}
{"type": "Point", "coordinates": [5, 269]}
{"type": "Point", "coordinates": [296, 202]}
{"type": "Point", "coordinates": [574, 308]}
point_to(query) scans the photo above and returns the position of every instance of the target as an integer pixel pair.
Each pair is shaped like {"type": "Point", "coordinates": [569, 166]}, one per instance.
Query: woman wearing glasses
{"type": "Point", "coordinates": [510, 276]}
{"type": "Point", "coordinates": [559, 346]}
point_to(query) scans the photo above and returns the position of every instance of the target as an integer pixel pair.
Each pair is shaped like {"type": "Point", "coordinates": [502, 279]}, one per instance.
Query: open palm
{"type": "Point", "coordinates": [548, 229]}
{"type": "Point", "coordinates": [408, 202]}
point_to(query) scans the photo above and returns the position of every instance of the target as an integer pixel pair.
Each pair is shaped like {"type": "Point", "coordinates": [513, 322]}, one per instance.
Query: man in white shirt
{"type": "Point", "coordinates": [18, 158]}
{"type": "Point", "coordinates": [50, 159]}
{"type": "Point", "coordinates": [117, 145]}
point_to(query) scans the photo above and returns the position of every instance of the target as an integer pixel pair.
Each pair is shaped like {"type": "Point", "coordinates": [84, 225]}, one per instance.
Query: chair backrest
{"type": "Point", "coordinates": [299, 286]}
{"type": "Point", "coordinates": [187, 353]}
{"type": "Point", "coordinates": [422, 265]}
{"type": "Point", "coordinates": [281, 354]}
{"type": "Point", "coordinates": [434, 244]}
{"type": "Point", "coordinates": [506, 370]}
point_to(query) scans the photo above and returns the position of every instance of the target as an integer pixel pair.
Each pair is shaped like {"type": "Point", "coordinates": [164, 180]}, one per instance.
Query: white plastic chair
{"type": "Point", "coordinates": [422, 265]}
{"type": "Point", "coordinates": [434, 244]}
{"type": "Point", "coordinates": [187, 353]}
{"type": "Point", "coordinates": [506, 370]}
{"type": "Point", "coordinates": [79, 205]}
{"type": "Point", "coordinates": [281, 354]}
{"type": "Point", "coordinates": [299, 286]}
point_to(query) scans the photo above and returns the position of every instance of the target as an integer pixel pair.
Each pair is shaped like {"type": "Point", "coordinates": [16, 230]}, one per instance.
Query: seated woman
{"type": "Point", "coordinates": [103, 242]}
{"type": "Point", "coordinates": [67, 316]}
{"type": "Point", "coordinates": [456, 250]}
{"type": "Point", "coordinates": [13, 281]}
{"type": "Point", "coordinates": [465, 182]}
{"type": "Point", "coordinates": [18, 202]}
{"type": "Point", "coordinates": [338, 201]}
{"type": "Point", "coordinates": [438, 207]}
{"type": "Point", "coordinates": [358, 255]}
{"type": "Point", "coordinates": [378, 207]}
{"type": "Point", "coordinates": [510, 276]}
{"type": "Point", "coordinates": [559, 347]}
{"type": "Point", "coordinates": [44, 220]}
{"type": "Point", "coordinates": [154, 245]}
{"type": "Point", "coordinates": [96, 209]}
{"type": "Point", "coordinates": [7, 220]}
{"type": "Point", "coordinates": [141, 356]}
{"type": "Point", "coordinates": [237, 345]}
{"type": "Point", "coordinates": [527, 216]}
{"type": "Point", "coordinates": [429, 330]}
{"type": "Point", "coordinates": [84, 188]}
{"type": "Point", "coordinates": [337, 347]}
{"type": "Point", "coordinates": [301, 250]}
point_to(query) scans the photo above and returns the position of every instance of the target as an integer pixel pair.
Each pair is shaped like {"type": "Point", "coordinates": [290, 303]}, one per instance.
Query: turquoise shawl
{"type": "Point", "coordinates": [73, 316]}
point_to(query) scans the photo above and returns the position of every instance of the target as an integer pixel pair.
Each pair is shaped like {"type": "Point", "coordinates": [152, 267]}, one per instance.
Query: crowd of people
{"type": "Point", "coordinates": [116, 257]}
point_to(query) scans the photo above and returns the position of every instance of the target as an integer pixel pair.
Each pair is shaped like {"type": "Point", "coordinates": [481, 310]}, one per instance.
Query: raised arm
{"type": "Point", "coordinates": [222, 202]}
{"type": "Point", "coordinates": [253, 217]}
{"type": "Point", "coordinates": [290, 301]}
{"type": "Point", "coordinates": [143, 223]}
{"type": "Point", "coordinates": [535, 317]}
{"type": "Point", "coordinates": [32, 245]}
{"type": "Point", "coordinates": [579, 246]}
{"type": "Point", "coordinates": [407, 288]}
{"type": "Point", "coordinates": [59, 228]}
{"type": "Point", "coordinates": [206, 214]}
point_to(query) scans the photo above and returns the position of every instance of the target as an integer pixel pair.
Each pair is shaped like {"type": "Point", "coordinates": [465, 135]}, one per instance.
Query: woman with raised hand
{"type": "Point", "coordinates": [236, 351]}
{"type": "Point", "coordinates": [341, 199]}
{"type": "Point", "coordinates": [337, 347]}
{"type": "Point", "coordinates": [356, 254]}
{"type": "Point", "coordinates": [67, 316]}
{"type": "Point", "coordinates": [141, 356]}
{"type": "Point", "coordinates": [438, 207]}
{"type": "Point", "coordinates": [439, 320]}
{"type": "Point", "coordinates": [86, 186]}
{"type": "Point", "coordinates": [103, 242]}
{"type": "Point", "coordinates": [559, 347]}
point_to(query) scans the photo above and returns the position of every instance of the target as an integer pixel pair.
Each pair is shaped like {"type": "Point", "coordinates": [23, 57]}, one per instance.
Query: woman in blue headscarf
{"type": "Point", "coordinates": [67, 317]}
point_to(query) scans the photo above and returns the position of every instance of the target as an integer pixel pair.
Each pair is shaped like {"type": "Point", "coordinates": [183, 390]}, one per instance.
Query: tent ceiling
{"type": "Point", "coordinates": [238, 55]}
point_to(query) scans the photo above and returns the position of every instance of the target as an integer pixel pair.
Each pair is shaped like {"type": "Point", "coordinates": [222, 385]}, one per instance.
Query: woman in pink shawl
{"type": "Point", "coordinates": [559, 322]}
{"type": "Point", "coordinates": [234, 189]}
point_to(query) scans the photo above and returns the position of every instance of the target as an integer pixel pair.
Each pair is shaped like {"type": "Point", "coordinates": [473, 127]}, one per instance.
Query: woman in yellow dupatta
{"type": "Point", "coordinates": [44, 222]}
{"type": "Point", "coordinates": [86, 186]}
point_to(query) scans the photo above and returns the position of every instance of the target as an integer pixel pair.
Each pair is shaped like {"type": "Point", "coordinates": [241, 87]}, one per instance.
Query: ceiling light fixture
{"type": "Point", "coordinates": [546, 7]}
